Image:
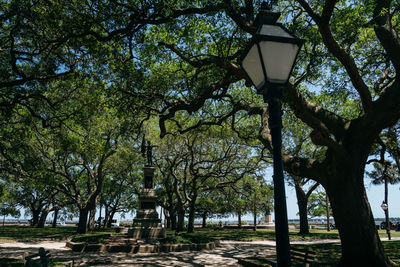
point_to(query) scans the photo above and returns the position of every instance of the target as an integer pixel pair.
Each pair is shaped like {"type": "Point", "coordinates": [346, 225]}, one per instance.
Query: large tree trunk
{"type": "Point", "coordinates": [239, 213]}
{"type": "Point", "coordinates": [43, 217]}
{"type": "Point", "coordinates": [192, 206]}
{"type": "Point", "coordinates": [106, 215]}
{"type": "Point", "coordinates": [172, 216]}
{"type": "Point", "coordinates": [83, 217]}
{"type": "Point", "coordinates": [204, 222]}
{"type": "Point", "coordinates": [54, 224]}
{"type": "Point", "coordinates": [302, 205]}
{"type": "Point", "coordinates": [35, 217]}
{"type": "Point", "coordinates": [167, 219]}
{"type": "Point", "coordinates": [361, 245]}
{"type": "Point", "coordinates": [328, 215]}
{"type": "Point", "coordinates": [99, 218]}
{"type": "Point", "coordinates": [92, 218]}
{"type": "Point", "coordinates": [110, 219]}
{"type": "Point", "coordinates": [181, 219]}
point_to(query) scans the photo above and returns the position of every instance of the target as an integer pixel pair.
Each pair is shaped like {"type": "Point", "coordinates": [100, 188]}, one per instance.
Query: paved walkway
{"type": "Point", "coordinates": [225, 255]}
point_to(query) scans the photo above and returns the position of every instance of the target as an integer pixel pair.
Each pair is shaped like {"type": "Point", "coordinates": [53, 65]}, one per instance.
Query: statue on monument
{"type": "Point", "coordinates": [147, 151]}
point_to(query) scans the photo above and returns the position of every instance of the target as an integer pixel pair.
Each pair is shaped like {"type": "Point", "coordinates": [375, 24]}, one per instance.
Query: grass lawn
{"type": "Point", "coordinates": [269, 234]}
{"type": "Point", "coordinates": [31, 233]}
{"type": "Point", "coordinates": [260, 234]}
{"type": "Point", "coordinates": [329, 254]}
{"type": "Point", "coordinates": [26, 233]}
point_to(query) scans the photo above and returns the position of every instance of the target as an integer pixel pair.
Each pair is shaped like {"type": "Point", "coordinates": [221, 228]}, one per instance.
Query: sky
{"type": "Point", "coordinates": [375, 194]}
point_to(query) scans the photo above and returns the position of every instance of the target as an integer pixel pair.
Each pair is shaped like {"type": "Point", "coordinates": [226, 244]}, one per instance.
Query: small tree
{"type": "Point", "coordinates": [8, 207]}
{"type": "Point", "coordinates": [317, 206]}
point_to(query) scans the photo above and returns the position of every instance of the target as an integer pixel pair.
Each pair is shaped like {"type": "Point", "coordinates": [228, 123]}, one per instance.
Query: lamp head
{"type": "Point", "coordinates": [271, 53]}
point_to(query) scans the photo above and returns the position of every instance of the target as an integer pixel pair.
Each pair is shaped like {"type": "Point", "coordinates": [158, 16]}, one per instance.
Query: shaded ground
{"type": "Point", "coordinates": [226, 255]}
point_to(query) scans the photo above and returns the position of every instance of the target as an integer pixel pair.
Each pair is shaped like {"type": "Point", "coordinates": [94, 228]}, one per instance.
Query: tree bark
{"type": "Point", "coordinates": [204, 222]}
{"type": "Point", "coordinates": [35, 217]}
{"type": "Point", "coordinates": [328, 215]}
{"type": "Point", "coordinates": [43, 217]}
{"type": "Point", "coordinates": [83, 217]}
{"type": "Point", "coordinates": [192, 206]}
{"type": "Point", "coordinates": [106, 215]}
{"type": "Point", "coordinates": [361, 245]}
{"type": "Point", "coordinates": [302, 205]}
{"type": "Point", "coordinates": [92, 218]}
{"type": "Point", "coordinates": [99, 218]}
{"type": "Point", "coordinates": [172, 216]}
{"type": "Point", "coordinates": [112, 213]}
{"type": "Point", "coordinates": [239, 213]}
{"type": "Point", "coordinates": [54, 224]}
{"type": "Point", "coordinates": [181, 219]}
{"type": "Point", "coordinates": [167, 219]}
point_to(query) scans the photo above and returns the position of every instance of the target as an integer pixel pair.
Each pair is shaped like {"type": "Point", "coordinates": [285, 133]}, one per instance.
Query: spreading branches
{"type": "Point", "coordinates": [340, 53]}
{"type": "Point", "coordinates": [386, 33]}
{"type": "Point", "coordinates": [323, 122]}
{"type": "Point", "coordinates": [207, 93]}
{"type": "Point", "coordinates": [298, 166]}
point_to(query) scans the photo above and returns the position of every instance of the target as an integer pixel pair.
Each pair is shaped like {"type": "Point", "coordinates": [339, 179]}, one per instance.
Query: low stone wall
{"type": "Point", "coordinates": [142, 248]}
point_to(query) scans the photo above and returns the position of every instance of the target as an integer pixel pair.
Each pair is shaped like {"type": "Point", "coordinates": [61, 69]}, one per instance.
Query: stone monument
{"type": "Point", "coordinates": [146, 224]}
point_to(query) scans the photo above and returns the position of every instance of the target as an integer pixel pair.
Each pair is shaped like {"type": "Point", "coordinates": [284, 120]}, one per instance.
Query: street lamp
{"type": "Point", "coordinates": [385, 207]}
{"type": "Point", "coordinates": [268, 61]}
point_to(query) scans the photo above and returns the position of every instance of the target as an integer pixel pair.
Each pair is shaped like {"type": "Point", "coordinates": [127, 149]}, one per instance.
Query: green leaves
{"type": "Point", "coordinates": [317, 204]}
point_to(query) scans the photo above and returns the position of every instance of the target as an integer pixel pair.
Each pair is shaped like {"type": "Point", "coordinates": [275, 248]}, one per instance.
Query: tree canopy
{"type": "Point", "coordinates": [181, 59]}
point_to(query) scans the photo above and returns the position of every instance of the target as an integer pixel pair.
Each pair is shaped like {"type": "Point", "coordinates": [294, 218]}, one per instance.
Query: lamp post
{"type": "Point", "coordinates": [385, 208]}
{"type": "Point", "coordinates": [268, 62]}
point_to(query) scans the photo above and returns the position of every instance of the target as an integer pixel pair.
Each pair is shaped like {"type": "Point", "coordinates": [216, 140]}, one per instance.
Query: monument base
{"type": "Point", "coordinates": [146, 232]}
{"type": "Point", "coordinates": [146, 225]}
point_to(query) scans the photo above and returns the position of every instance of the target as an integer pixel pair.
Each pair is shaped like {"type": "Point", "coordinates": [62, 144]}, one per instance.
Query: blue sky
{"type": "Point", "coordinates": [375, 197]}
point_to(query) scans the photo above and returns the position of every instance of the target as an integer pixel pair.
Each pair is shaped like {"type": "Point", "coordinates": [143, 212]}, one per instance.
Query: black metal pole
{"type": "Point", "coordinates": [281, 220]}
{"type": "Point", "coordinates": [387, 209]}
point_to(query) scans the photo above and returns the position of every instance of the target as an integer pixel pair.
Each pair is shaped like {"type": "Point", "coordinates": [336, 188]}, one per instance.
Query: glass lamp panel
{"type": "Point", "coordinates": [278, 60]}
{"type": "Point", "coordinates": [252, 65]}
{"type": "Point", "coordinates": [274, 30]}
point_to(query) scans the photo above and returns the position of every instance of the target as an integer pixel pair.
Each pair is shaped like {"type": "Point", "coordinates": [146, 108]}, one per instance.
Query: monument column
{"type": "Point", "coordinates": [147, 224]}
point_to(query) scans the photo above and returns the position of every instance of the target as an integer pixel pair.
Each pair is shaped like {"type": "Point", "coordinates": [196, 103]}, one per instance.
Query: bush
{"type": "Point", "coordinates": [188, 238]}
{"type": "Point", "coordinates": [91, 238]}
{"type": "Point", "coordinates": [197, 238]}
{"type": "Point", "coordinates": [175, 240]}
{"type": "Point", "coordinates": [211, 224]}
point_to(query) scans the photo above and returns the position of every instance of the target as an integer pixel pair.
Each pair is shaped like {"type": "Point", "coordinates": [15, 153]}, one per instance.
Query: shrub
{"type": "Point", "coordinates": [175, 240]}
{"type": "Point", "coordinates": [188, 238]}
{"type": "Point", "coordinates": [197, 238]}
